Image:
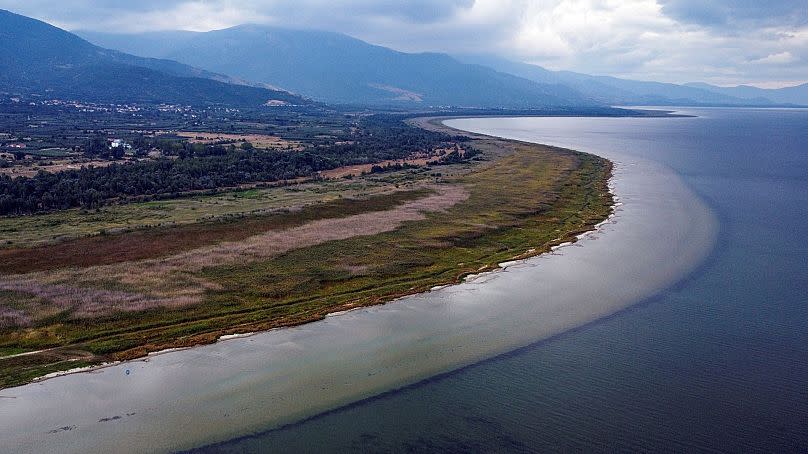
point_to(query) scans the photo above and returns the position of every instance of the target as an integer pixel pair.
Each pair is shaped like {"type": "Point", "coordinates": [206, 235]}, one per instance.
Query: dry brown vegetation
{"type": "Point", "coordinates": [125, 294]}
{"type": "Point", "coordinates": [258, 140]}
{"type": "Point", "coordinates": [162, 242]}
{"type": "Point", "coordinates": [359, 169]}
{"type": "Point", "coordinates": [53, 167]}
{"type": "Point", "coordinates": [171, 281]}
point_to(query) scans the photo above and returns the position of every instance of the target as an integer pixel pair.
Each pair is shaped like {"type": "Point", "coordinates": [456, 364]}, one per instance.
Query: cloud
{"type": "Point", "coordinates": [200, 14]}
{"type": "Point", "coordinates": [738, 13]}
{"type": "Point", "coordinates": [412, 11]}
{"type": "Point", "coordinates": [718, 41]}
{"type": "Point", "coordinates": [643, 39]}
{"type": "Point", "coordinates": [136, 16]}
{"type": "Point", "coordinates": [781, 58]}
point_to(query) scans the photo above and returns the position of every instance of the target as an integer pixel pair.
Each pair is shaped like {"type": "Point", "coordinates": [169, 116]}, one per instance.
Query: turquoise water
{"type": "Point", "coordinates": [718, 362]}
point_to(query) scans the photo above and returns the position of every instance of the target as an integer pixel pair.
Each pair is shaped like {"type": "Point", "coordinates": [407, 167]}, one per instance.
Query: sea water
{"type": "Point", "coordinates": [681, 324]}
{"type": "Point", "coordinates": [717, 362]}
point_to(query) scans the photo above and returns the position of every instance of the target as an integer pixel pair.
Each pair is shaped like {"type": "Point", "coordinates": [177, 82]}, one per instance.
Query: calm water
{"type": "Point", "coordinates": [183, 399]}
{"type": "Point", "coordinates": [719, 362]}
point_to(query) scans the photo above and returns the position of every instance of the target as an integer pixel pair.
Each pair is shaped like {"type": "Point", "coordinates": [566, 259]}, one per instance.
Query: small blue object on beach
{"type": "Point", "coordinates": [127, 371]}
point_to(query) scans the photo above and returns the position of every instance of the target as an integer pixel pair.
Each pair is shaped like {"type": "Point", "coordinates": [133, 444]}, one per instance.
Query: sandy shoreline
{"type": "Point", "coordinates": [530, 254]}
{"type": "Point", "coordinates": [273, 378]}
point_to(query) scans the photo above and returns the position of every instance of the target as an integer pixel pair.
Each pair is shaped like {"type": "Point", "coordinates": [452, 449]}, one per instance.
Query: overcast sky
{"type": "Point", "coordinates": [763, 42]}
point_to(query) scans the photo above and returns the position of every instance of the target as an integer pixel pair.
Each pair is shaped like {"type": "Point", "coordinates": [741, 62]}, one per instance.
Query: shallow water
{"type": "Point", "coordinates": [716, 363]}
{"type": "Point", "coordinates": [179, 400]}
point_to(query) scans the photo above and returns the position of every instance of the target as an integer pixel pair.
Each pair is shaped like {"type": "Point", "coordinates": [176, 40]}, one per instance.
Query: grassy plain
{"type": "Point", "coordinates": [48, 228]}
{"type": "Point", "coordinates": [257, 140]}
{"type": "Point", "coordinates": [173, 276]}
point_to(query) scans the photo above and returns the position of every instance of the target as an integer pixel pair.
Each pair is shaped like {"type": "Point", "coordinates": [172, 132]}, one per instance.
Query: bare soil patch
{"type": "Point", "coordinates": [258, 140]}
{"type": "Point", "coordinates": [356, 170]}
{"type": "Point", "coordinates": [57, 166]}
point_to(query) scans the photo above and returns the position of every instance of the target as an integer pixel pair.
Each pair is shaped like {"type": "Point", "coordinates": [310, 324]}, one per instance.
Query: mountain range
{"type": "Point", "coordinates": [250, 65]}
{"type": "Point", "coordinates": [626, 92]}
{"type": "Point", "coordinates": [336, 68]}
{"type": "Point", "coordinates": [788, 95]}
{"type": "Point", "coordinates": [39, 59]}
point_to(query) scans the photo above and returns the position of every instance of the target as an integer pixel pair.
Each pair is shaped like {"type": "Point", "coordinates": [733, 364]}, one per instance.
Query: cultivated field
{"type": "Point", "coordinates": [257, 140]}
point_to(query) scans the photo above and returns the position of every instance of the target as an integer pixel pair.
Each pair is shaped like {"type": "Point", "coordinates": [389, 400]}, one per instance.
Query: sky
{"type": "Point", "coordinates": [725, 42]}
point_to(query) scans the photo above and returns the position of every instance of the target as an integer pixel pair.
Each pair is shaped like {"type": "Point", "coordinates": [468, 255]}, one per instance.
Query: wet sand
{"type": "Point", "coordinates": [188, 398]}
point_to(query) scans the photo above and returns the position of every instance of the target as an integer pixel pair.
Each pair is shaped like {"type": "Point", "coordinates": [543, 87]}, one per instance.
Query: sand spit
{"type": "Point", "coordinates": [216, 392]}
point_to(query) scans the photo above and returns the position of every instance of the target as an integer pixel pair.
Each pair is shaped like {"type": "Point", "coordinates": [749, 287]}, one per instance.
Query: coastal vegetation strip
{"type": "Point", "coordinates": [25, 232]}
{"type": "Point", "coordinates": [146, 243]}
{"type": "Point", "coordinates": [268, 270]}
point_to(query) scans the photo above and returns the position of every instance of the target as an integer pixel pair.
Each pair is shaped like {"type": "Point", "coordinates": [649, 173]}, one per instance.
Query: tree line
{"type": "Point", "coordinates": [196, 167]}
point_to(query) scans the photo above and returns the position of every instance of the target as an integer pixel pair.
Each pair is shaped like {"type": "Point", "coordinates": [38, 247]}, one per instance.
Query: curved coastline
{"type": "Point", "coordinates": [210, 393]}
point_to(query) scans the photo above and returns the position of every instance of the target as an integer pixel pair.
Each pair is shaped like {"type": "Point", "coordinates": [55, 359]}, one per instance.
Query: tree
{"type": "Point", "coordinates": [97, 146]}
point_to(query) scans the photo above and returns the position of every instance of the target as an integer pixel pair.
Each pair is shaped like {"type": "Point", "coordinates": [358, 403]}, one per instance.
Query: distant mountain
{"type": "Point", "coordinates": [615, 91]}
{"type": "Point", "coordinates": [787, 95]}
{"type": "Point", "coordinates": [37, 58]}
{"type": "Point", "coordinates": [336, 68]}
{"type": "Point", "coordinates": [152, 44]}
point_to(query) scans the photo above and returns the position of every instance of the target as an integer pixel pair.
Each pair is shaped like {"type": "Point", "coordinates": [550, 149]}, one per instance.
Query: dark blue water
{"type": "Point", "coordinates": [717, 363]}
